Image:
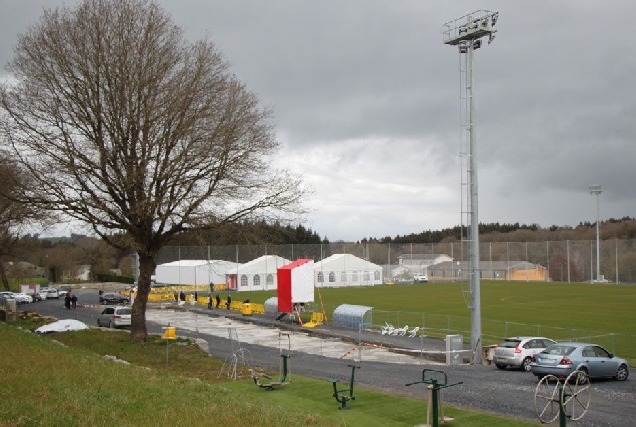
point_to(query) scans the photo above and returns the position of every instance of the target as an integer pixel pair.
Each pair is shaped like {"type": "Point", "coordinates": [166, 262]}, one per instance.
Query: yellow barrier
{"type": "Point", "coordinates": [170, 333]}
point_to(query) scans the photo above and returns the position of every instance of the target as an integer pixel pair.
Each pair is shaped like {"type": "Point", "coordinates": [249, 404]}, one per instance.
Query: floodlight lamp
{"type": "Point", "coordinates": [491, 37]}
{"type": "Point", "coordinates": [495, 16]}
{"type": "Point", "coordinates": [476, 44]}
{"type": "Point", "coordinates": [463, 47]}
{"type": "Point", "coordinates": [484, 23]}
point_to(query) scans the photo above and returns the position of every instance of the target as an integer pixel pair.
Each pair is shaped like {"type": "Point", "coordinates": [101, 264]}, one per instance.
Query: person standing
{"type": "Point", "coordinates": [209, 301]}
{"type": "Point", "coordinates": [74, 301]}
{"type": "Point", "coordinates": [228, 302]}
{"type": "Point", "coordinates": [67, 301]}
{"type": "Point", "coordinates": [218, 300]}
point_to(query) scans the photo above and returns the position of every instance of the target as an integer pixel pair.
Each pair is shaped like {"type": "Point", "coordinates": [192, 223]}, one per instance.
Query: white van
{"type": "Point", "coordinates": [420, 278]}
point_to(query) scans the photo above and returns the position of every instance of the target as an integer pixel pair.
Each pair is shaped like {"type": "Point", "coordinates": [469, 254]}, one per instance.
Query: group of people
{"type": "Point", "coordinates": [212, 301]}
{"type": "Point", "coordinates": [70, 301]}
{"type": "Point", "coordinates": [217, 300]}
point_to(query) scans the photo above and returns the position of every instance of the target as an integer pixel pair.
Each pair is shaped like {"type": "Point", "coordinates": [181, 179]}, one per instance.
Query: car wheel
{"type": "Point", "coordinates": [98, 323]}
{"type": "Point", "coordinates": [581, 378]}
{"type": "Point", "coordinates": [499, 366]}
{"type": "Point", "coordinates": [622, 373]}
{"type": "Point", "coordinates": [525, 365]}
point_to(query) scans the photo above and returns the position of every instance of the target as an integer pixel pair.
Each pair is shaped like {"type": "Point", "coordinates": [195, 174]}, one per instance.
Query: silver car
{"type": "Point", "coordinates": [517, 352]}
{"type": "Point", "coordinates": [593, 360]}
{"type": "Point", "coordinates": [115, 317]}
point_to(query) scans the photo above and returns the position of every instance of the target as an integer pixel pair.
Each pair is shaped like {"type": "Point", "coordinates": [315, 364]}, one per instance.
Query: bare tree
{"type": "Point", "coordinates": [127, 127]}
{"type": "Point", "coordinates": [15, 217]}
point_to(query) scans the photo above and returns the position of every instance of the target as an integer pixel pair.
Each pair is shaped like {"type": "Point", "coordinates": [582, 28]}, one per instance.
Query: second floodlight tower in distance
{"type": "Point", "coordinates": [467, 33]}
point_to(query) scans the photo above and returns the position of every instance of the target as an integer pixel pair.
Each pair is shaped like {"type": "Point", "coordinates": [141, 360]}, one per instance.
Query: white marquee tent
{"type": "Point", "coordinates": [340, 270]}
{"type": "Point", "coordinates": [257, 275]}
{"type": "Point", "coordinates": [193, 272]}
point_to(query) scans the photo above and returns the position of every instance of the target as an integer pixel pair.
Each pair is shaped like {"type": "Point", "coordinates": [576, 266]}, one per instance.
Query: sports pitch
{"type": "Point", "coordinates": [600, 313]}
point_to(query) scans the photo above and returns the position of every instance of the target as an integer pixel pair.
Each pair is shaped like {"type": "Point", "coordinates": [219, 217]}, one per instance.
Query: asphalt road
{"type": "Point", "coordinates": [484, 388]}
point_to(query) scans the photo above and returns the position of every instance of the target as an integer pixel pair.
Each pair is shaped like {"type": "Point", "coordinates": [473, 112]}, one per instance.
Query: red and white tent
{"type": "Point", "coordinates": [295, 284]}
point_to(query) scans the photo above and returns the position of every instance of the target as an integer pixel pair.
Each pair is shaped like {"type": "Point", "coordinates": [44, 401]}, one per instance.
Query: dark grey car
{"type": "Point", "coordinates": [113, 298]}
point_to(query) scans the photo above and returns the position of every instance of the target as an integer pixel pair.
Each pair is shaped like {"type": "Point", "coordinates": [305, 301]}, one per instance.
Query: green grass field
{"type": "Point", "coordinates": [601, 313]}
{"type": "Point", "coordinates": [62, 379]}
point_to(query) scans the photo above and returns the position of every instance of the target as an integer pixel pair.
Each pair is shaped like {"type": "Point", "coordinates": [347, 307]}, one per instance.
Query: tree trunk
{"type": "Point", "coordinates": [3, 275]}
{"type": "Point", "coordinates": [138, 330]}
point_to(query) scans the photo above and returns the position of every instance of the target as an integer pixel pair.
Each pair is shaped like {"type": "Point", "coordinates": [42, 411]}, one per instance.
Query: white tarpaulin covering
{"type": "Point", "coordinates": [346, 270]}
{"type": "Point", "coordinates": [193, 272]}
{"type": "Point", "coordinates": [62, 326]}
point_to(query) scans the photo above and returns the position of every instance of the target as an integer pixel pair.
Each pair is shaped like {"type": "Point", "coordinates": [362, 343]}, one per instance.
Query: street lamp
{"type": "Point", "coordinates": [597, 190]}
{"type": "Point", "coordinates": [466, 33]}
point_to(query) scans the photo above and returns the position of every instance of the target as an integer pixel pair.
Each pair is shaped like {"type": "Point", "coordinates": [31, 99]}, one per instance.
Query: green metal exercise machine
{"type": "Point", "coordinates": [434, 396]}
{"type": "Point", "coordinates": [344, 395]}
{"type": "Point", "coordinates": [256, 376]}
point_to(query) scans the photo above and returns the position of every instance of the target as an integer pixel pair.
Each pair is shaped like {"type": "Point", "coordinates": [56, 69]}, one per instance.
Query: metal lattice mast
{"type": "Point", "coordinates": [466, 33]}
{"type": "Point", "coordinates": [597, 190]}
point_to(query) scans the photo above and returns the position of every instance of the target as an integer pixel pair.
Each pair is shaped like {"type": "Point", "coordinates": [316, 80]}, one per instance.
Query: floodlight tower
{"type": "Point", "coordinates": [597, 190]}
{"type": "Point", "coordinates": [466, 33]}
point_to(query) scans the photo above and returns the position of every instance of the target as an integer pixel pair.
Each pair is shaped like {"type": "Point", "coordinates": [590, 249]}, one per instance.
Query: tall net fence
{"type": "Point", "coordinates": [563, 261]}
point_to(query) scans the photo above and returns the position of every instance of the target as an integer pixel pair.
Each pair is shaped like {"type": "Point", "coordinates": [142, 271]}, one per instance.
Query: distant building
{"type": "Point", "coordinates": [410, 264]}
{"type": "Point", "coordinates": [79, 272]}
{"type": "Point", "coordinates": [491, 270]}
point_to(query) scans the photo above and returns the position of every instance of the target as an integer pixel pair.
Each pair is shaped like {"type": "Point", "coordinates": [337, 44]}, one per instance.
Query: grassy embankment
{"type": "Point", "coordinates": [45, 383]}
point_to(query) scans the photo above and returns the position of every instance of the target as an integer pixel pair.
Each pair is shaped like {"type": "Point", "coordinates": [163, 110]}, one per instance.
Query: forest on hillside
{"type": "Point", "coordinates": [62, 256]}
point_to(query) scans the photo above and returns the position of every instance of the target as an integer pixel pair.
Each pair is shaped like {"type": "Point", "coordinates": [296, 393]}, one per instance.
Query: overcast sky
{"type": "Point", "coordinates": [365, 97]}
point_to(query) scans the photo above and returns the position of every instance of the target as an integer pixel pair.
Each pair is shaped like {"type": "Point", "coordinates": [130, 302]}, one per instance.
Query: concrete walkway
{"type": "Point", "coordinates": [325, 340]}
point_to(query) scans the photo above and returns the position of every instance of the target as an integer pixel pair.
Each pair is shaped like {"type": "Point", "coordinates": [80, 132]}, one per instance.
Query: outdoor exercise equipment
{"type": "Point", "coordinates": [344, 395]}
{"type": "Point", "coordinates": [284, 366]}
{"type": "Point", "coordinates": [434, 395]}
{"type": "Point", "coordinates": [256, 376]}
{"type": "Point", "coordinates": [563, 400]}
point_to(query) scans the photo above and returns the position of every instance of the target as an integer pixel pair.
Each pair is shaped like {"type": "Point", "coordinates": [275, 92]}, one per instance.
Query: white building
{"type": "Point", "coordinates": [260, 274]}
{"type": "Point", "coordinates": [346, 270]}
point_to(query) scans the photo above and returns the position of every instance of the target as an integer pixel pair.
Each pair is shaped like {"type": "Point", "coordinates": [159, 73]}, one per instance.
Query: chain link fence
{"type": "Point", "coordinates": [562, 261]}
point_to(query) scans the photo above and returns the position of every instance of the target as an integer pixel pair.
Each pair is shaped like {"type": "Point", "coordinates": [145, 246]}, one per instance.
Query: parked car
{"type": "Point", "coordinates": [6, 295]}
{"type": "Point", "coordinates": [36, 296]}
{"type": "Point", "coordinates": [115, 317]}
{"type": "Point", "coordinates": [49, 293]}
{"type": "Point", "coordinates": [420, 278]}
{"type": "Point", "coordinates": [562, 359]}
{"type": "Point", "coordinates": [64, 290]}
{"type": "Point", "coordinates": [113, 298]}
{"type": "Point", "coordinates": [21, 298]}
{"type": "Point", "coordinates": [517, 352]}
